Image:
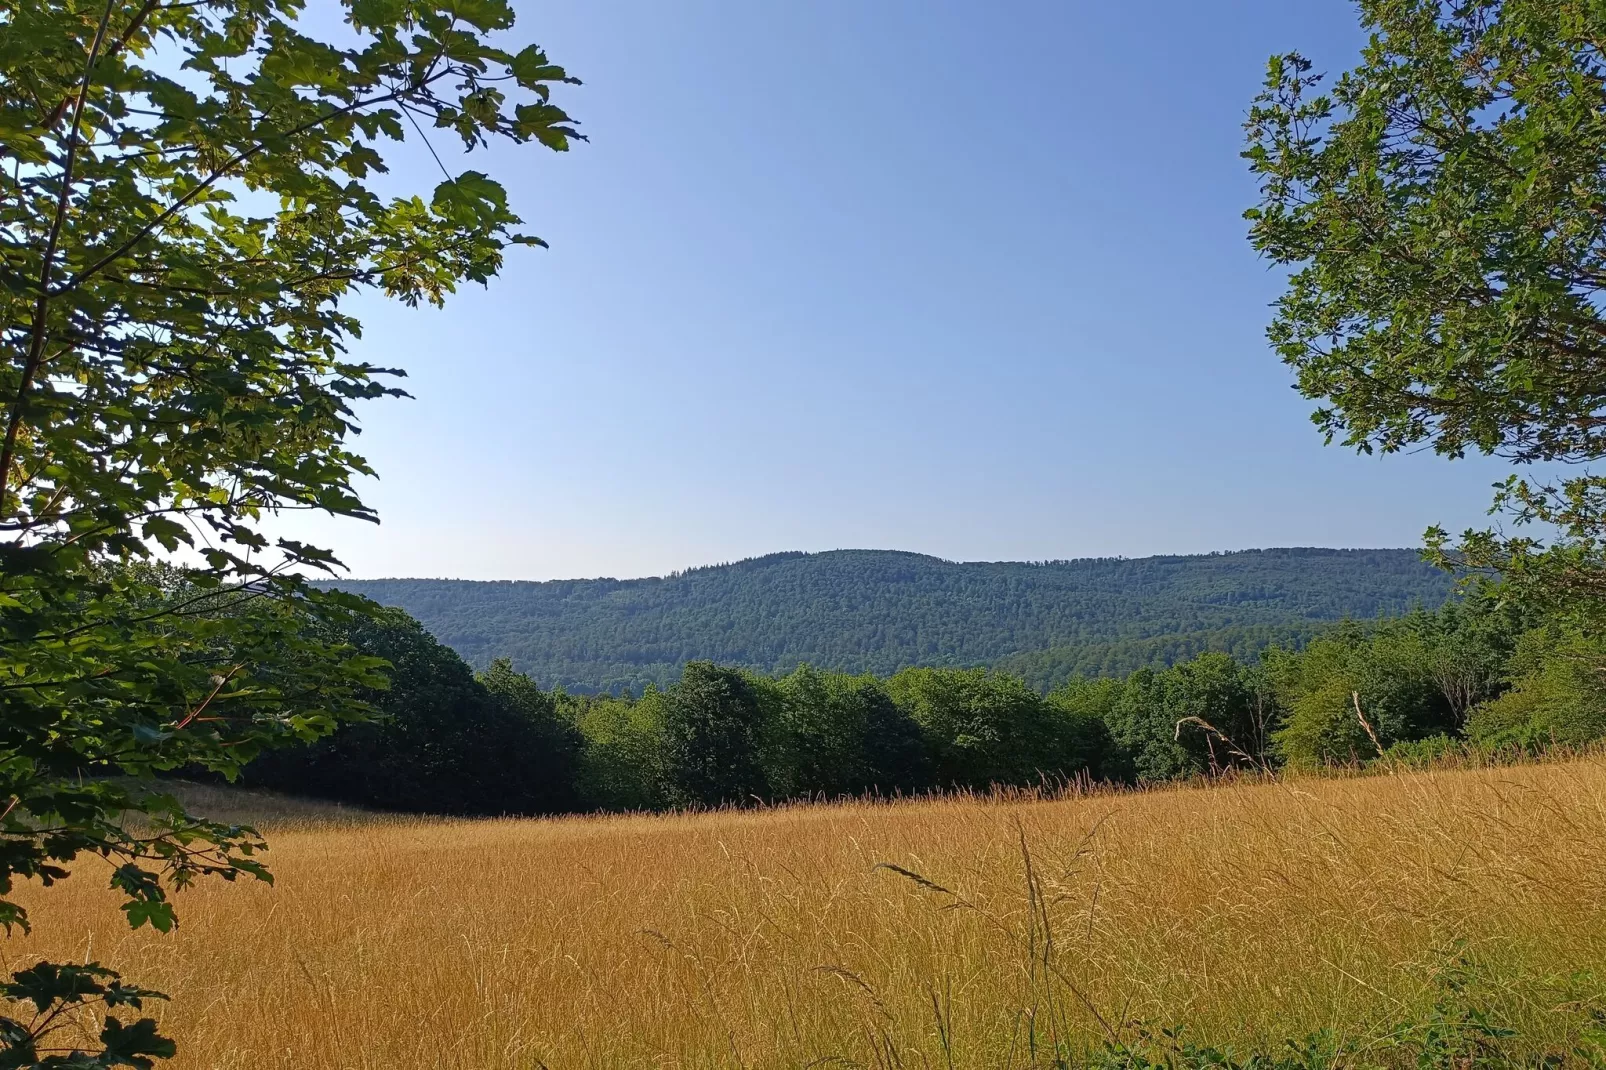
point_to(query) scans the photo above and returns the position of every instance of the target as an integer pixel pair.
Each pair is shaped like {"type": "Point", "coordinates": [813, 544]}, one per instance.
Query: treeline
{"type": "Point", "coordinates": [1476, 671]}
{"type": "Point", "coordinates": [1044, 670]}
{"type": "Point", "coordinates": [881, 611]}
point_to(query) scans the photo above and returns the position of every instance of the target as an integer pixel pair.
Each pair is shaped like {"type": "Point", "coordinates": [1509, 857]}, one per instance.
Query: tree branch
{"type": "Point", "coordinates": [36, 344]}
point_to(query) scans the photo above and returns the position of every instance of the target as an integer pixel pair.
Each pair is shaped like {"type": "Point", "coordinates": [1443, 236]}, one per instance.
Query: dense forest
{"type": "Point", "coordinates": [1478, 671]}
{"type": "Point", "coordinates": [881, 611]}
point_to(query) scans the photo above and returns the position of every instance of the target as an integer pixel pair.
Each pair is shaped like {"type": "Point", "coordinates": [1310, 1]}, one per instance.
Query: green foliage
{"type": "Point", "coordinates": [842, 735]}
{"type": "Point", "coordinates": [981, 728]}
{"type": "Point", "coordinates": [621, 766]}
{"type": "Point", "coordinates": [1558, 693]}
{"type": "Point", "coordinates": [1203, 715]}
{"type": "Point", "coordinates": [1224, 710]}
{"type": "Point", "coordinates": [714, 726]}
{"type": "Point", "coordinates": [66, 999]}
{"type": "Point", "coordinates": [1345, 690]}
{"type": "Point", "coordinates": [167, 673]}
{"type": "Point", "coordinates": [446, 741]}
{"type": "Point", "coordinates": [859, 611]}
{"type": "Point", "coordinates": [723, 735]}
{"type": "Point", "coordinates": [1442, 209]}
{"type": "Point", "coordinates": [1442, 206]}
{"type": "Point", "coordinates": [1171, 1049]}
{"type": "Point", "coordinates": [549, 741]}
{"type": "Point", "coordinates": [1087, 708]}
{"type": "Point", "coordinates": [1046, 670]}
{"type": "Point", "coordinates": [186, 210]}
{"type": "Point", "coordinates": [1144, 730]}
{"type": "Point", "coordinates": [1406, 680]}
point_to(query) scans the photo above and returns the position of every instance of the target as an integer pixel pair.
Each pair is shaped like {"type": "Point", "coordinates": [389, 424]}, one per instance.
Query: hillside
{"type": "Point", "coordinates": [882, 610]}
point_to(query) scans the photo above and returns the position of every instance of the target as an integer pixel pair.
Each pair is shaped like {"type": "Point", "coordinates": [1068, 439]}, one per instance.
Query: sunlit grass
{"type": "Point", "coordinates": [775, 939]}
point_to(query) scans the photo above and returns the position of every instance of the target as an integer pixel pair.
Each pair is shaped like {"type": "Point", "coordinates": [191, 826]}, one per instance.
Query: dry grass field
{"type": "Point", "coordinates": [774, 939]}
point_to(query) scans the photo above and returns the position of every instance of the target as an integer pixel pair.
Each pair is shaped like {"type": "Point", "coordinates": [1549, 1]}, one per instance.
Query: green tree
{"type": "Point", "coordinates": [1388, 672]}
{"type": "Point", "coordinates": [1142, 719]}
{"type": "Point", "coordinates": [187, 206]}
{"type": "Point", "coordinates": [446, 741]}
{"type": "Point", "coordinates": [1444, 212]}
{"type": "Point", "coordinates": [541, 739]}
{"type": "Point", "coordinates": [1216, 711]}
{"type": "Point", "coordinates": [895, 755]}
{"type": "Point", "coordinates": [842, 735]}
{"type": "Point", "coordinates": [622, 762]}
{"type": "Point", "coordinates": [1088, 706]}
{"type": "Point", "coordinates": [1204, 715]}
{"type": "Point", "coordinates": [715, 730]}
{"type": "Point", "coordinates": [981, 728]}
{"type": "Point", "coordinates": [1558, 693]}
{"type": "Point", "coordinates": [1465, 648]}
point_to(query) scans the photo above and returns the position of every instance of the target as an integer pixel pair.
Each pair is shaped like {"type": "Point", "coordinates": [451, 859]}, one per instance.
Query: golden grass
{"type": "Point", "coordinates": [772, 939]}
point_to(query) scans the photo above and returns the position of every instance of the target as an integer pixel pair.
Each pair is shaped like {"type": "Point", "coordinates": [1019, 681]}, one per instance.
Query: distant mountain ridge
{"type": "Point", "coordinates": [883, 610]}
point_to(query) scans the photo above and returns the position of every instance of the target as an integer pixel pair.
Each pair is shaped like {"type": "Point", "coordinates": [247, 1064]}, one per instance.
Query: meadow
{"type": "Point", "coordinates": [965, 932]}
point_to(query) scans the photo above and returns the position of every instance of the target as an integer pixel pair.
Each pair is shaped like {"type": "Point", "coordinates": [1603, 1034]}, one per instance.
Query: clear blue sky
{"type": "Point", "coordinates": [967, 279]}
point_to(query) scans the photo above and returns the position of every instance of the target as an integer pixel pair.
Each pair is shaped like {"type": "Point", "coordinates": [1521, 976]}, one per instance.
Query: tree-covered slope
{"type": "Point", "coordinates": [881, 610]}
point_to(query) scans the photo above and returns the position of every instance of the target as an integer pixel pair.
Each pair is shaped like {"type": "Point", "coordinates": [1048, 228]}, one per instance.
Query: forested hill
{"type": "Point", "coordinates": [880, 610]}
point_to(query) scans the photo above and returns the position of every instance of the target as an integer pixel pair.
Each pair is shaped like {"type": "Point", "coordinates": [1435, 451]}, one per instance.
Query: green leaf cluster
{"type": "Point", "coordinates": [65, 999]}
{"type": "Point", "coordinates": [1442, 211]}
{"type": "Point", "coordinates": [187, 207]}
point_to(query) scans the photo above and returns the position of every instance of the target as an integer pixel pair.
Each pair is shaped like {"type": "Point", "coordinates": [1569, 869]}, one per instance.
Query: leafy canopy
{"type": "Point", "coordinates": [1444, 210]}
{"type": "Point", "coordinates": [187, 202]}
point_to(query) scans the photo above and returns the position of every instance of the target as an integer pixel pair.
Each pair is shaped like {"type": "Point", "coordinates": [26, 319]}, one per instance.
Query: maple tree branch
{"type": "Point", "coordinates": [36, 343]}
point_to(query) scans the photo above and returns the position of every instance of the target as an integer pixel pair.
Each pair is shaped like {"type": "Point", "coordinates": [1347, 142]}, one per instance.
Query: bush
{"type": "Point", "coordinates": [1429, 751]}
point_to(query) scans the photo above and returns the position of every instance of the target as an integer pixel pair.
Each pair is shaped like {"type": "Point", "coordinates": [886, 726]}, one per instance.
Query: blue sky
{"type": "Point", "coordinates": [966, 279]}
